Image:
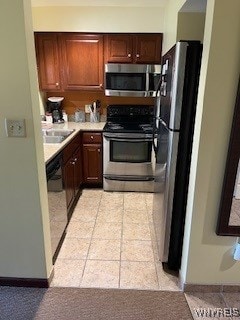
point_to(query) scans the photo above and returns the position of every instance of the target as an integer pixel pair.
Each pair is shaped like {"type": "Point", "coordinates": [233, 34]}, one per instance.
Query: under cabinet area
{"type": "Point", "coordinates": [133, 48]}
{"type": "Point", "coordinates": [92, 158]}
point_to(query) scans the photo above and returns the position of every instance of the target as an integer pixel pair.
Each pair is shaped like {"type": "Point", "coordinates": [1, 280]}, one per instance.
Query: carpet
{"type": "Point", "coordinates": [91, 304]}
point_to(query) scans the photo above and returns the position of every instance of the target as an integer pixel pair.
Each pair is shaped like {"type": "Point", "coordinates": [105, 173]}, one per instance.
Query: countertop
{"type": "Point", "coordinates": [51, 149]}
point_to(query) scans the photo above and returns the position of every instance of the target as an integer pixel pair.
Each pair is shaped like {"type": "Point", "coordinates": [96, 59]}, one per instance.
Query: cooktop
{"type": "Point", "coordinates": [129, 118]}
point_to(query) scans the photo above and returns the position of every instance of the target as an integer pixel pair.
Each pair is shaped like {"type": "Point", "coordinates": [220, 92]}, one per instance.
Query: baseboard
{"type": "Point", "coordinates": [209, 288]}
{"type": "Point", "coordinates": [26, 282]}
{"type": "Point", "coordinates": [202, 288]}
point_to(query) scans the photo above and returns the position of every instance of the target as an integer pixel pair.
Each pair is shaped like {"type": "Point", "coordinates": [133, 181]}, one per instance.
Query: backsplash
{"type": "Point", "coordinates": [77, 99]}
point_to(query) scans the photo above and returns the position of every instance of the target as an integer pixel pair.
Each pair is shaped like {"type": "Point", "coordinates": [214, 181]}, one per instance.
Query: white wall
{"type": "Point", "coordinates": [98, 19]}
{"type": "Point", "coordinates": [207, 258]}
{"type": "Point", "coordinates": [24, 222]}
{"type": "Point", "coordinates": [170, 23]}
{"type": "Point", "coordinates": [190, 26]}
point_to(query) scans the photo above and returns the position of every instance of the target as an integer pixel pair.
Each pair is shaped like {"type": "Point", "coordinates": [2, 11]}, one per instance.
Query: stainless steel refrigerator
{"type": "Point", "coordinates": [175, 109]}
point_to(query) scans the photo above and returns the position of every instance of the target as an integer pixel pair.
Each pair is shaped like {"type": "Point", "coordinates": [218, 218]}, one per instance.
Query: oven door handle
{"type": "Point", "coordinates": [129, 140]}
{"type": "Point", "coordinates": [129, 178]}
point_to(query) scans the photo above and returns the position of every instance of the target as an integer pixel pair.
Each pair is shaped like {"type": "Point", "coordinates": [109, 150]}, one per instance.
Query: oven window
{"type": "Point", "coordinates": [126, 81]}
{"type": "Point", "coordinates": [127, 151]}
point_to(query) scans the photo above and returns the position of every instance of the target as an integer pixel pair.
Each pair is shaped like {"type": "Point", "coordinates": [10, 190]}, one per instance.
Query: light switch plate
{"type": "Point", "coordinates": [15, 128]}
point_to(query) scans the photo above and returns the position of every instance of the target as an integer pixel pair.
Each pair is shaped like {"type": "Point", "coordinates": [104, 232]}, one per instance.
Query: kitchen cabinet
{"type": "Point", "coordinates": [48, 61]}
{"type": "Point", "coordinates": [72, 168]}
{"type": "Point", "coordinates": [82, 61]}
{"type": "Point", "coordinates": [75, 61]}
{"type": "Point", "coordinates": [133, 48]}
{"type": "Point", "coordinates": [92, 158]}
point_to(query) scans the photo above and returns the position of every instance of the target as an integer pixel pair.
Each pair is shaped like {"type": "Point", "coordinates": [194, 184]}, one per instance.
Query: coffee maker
{"type": "Point", "coordinates": [54, 106]}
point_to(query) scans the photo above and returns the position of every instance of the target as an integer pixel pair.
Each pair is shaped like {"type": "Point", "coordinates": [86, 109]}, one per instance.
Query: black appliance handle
{"type": "Point", "coordinates": [52, 167]}
{"type": "Point", "coordinates": [130, 140]}
{"type": "Point", "coordinates": [154, 136]}
{"type": "Point", "coordinates": [129, 178]}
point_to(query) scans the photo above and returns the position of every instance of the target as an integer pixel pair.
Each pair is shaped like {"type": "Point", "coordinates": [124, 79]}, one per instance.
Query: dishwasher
{"type": "Point", "coordinates": [57, 204]}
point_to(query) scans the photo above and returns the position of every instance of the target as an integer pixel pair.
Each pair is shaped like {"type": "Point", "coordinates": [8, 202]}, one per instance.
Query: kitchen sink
{"type": "Point", "coordinates": [53, 139]}
{"type": "Point", "coordinates": [57, 132]}
{"type": "Point", "coordinates": [55, 135]}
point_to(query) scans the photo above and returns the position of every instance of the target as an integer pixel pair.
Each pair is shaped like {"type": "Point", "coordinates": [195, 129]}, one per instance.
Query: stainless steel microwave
{"type": "Point", "coordinates": [131, 80]}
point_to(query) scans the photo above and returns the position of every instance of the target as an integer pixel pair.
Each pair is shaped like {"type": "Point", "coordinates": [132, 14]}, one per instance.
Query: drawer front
{"type": "Point", "coordinates": [71, 147]}
{"type": "Point", "coordinates": [92, 137]}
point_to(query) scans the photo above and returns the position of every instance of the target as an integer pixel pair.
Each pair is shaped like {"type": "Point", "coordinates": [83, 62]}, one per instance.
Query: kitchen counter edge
{"type": "Point", "coordinates": [52, 149]}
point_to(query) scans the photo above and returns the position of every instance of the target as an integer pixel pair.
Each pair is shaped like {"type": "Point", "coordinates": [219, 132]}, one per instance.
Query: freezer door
{"type": "Point", "coordinates": [172, 85]}
{"type": "Point", "coordinates": [166, 158]}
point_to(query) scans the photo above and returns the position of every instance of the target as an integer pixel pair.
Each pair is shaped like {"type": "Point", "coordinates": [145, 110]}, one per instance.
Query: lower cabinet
{"type": "Point", "coordinates": [92, 158]}
{"type": "Point", "coordinates": [78, 176]}
{"type": "Point", "coordinates": [72, 170]}
{"type": "Point", "coordinates": [82, 164]}
{"type": "Point", "coordinates": [68, 179]}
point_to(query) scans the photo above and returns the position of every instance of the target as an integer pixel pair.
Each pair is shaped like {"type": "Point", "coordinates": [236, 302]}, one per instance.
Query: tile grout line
{"type": "Point", "coordinates": [90, 242]}
{"type": "Point", "coordinates": [121, 245]}
{"type": "Point", "coordinates": [154, 253]}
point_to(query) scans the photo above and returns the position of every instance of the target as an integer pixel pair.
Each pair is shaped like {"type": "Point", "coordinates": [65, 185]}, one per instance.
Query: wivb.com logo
{"type": "Point", "coordinates": [217, 312]}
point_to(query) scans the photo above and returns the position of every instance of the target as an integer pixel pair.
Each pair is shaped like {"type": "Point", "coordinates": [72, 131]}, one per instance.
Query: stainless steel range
{"type": "Point", "coordinates": [128, 159]}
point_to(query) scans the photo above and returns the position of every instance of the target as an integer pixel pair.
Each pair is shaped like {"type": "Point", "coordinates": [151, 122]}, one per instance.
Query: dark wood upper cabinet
{"type": "Point", "coordinates": [48, 61]}
{"type": "Point", "coordinates": [148, 48]}
{"type": "Point", "coordinates": [118, 48]}
{"type": "Point", "coordinates": [75, 61]}
{"type": "Point", "coordinates": [82, 61]}
{"type": "Point", "coordinates": [133, 48]}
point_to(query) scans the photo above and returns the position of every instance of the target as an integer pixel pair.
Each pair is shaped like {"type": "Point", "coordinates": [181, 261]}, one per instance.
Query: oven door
{"type": "Point", "coordinates": [130, 155]}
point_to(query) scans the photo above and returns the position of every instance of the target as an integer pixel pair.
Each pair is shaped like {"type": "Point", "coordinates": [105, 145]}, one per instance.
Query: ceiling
{"type": "Point", "coordinates": [114, 3]}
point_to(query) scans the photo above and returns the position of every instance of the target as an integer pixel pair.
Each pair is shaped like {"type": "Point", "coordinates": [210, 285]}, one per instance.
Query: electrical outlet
{"type": "Point", "coordinates": [15, 128]}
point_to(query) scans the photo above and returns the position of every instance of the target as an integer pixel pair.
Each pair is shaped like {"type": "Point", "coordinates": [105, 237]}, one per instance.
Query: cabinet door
{"type": "Point", "coordinates": [82, 61]}
{"type": "Point", "coordinates": [68, 170]}
{"type": "Point", "coordinates": [118, 48]}
{"type": "Point", "coordinates": [48, 61]}
{"type": "Point", "coordinates": [148, 48]}
{"type": "Point", "coordinates": [92, 163]}
{"type": "Point", "coordinates": [78, 176]}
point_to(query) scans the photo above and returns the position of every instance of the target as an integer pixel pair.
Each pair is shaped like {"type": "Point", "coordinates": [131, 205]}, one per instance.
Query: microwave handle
{"type": "Point", "coordinates": [147, 81]}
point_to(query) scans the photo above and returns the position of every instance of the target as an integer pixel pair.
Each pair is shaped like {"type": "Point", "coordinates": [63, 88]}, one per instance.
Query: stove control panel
{"type": "Point", "coordinates": [129, 110]}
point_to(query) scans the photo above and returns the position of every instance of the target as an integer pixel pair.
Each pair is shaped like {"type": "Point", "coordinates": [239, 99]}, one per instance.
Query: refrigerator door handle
{"type": "Point", "coordinates": [154, 143]}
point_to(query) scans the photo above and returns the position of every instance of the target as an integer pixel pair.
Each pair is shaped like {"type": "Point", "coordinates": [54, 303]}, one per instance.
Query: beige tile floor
{"type": "Point", "coordinates": [110, 244]}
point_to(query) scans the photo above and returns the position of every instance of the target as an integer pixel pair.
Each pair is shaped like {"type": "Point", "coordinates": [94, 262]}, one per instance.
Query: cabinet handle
{"type": "Point", "coordinates": [129, 55]}
{"type": "Point", "coordinates": [72, 162]}
{"type": "Point", "coordinates": [91, 137]}
{"type": "Point", "coordinates": [57, 84]}
{"type": "Point", "coordinates": [137, 55]}
{"type": "Point", "coordinates": [101, 85]}
{"type": "Point", "coordinates": [98, 150]}
{"type": "Point", "coordinates": [75, 160]}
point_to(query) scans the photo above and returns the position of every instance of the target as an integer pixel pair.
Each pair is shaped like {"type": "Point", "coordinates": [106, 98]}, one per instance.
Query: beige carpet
{"type": "Point", "coordinates": [91, 304]}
